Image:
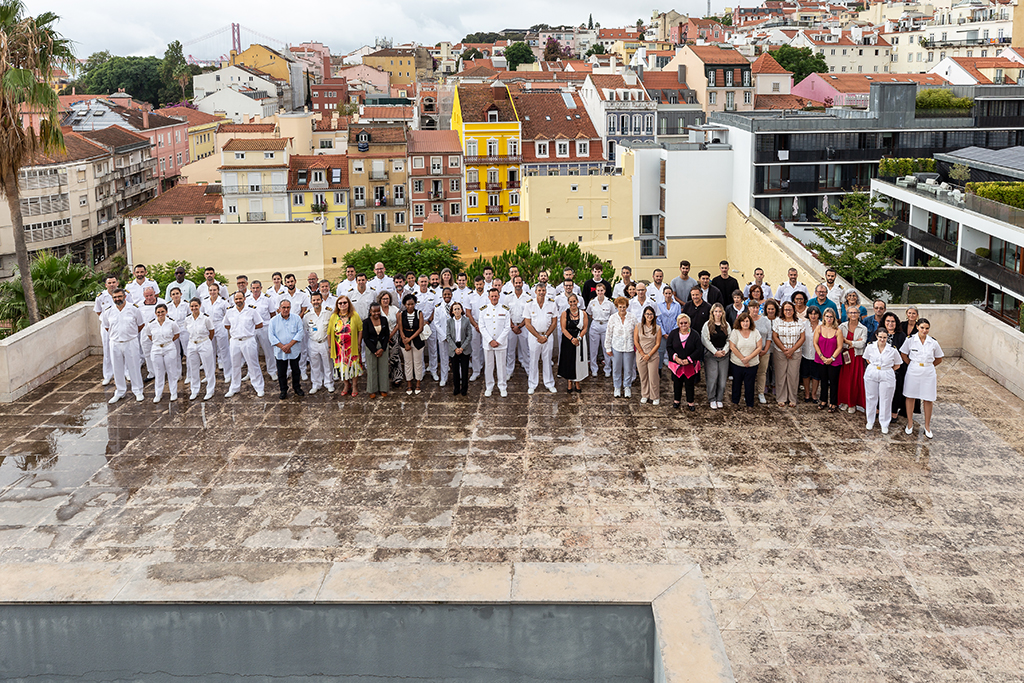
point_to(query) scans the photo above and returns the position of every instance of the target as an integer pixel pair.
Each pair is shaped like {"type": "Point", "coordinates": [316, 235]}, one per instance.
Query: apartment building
{"type": "Point", "coordinates": [620, 109]}
{"type": "Point", "coordinates": [183, 203]}
{"type": "Point", "coordinates": [854, 51]}
{"type": "Point", "coordinates": [435, 175]}
{"type": "Point", "coordinates": [318, 190]}
{"type": "Point", "coordinates": [202, 130]}
{"type": "Point", "coordinates": [330, 94]}
{"type": "Point", "coordinates": [720, 77]}
{"type": "Point", "coordinates": [558, 135]}
{"type": "Point", "coordinates": [254, 177]}
{"type": "Point", "coordinates": [378, 172]}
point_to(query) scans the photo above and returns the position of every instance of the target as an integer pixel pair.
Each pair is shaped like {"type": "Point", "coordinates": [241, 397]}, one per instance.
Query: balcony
{"type": "Point", "coordinates": [359, 203]}
{"type": "Point", "coordinates": [472, 187]}
{"type": "Point", "coordinates": [253, 189]}
{"type": "Point", "coordinates": [493, 186]}
{"type": "Point", "coordinates": [256, 216]}
{"type": "Point", "coordinates": [925, 240]}
{"type": "Point", "coordinates": [970, 42]}
{"type": "Point", "coordinates": [435, 195]}
{"type": "Point", "coordinates": [436, 170]}
{"type": "Point", "coordinates": [987, 269]}
{"type": "Point", "coordinates": [378, 175]}
{"type": "Point", "coordinates": [495, 209]}
{"type": "Point", "coordinates": [499, 159]}
{"type": "Point", "coordinates": [512, 185]}
{"type": "Point", "coordinates": [381, 227]}
{"type": "Point", "coordinates": [398, 201]}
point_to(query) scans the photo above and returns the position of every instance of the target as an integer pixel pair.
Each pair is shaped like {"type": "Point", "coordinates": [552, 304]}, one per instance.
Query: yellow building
{"type": "Point", "coordinates": [490, 132]}
{"type": "Point", "coordinates": [254, 177]}
{"type": "Point", "coordinates": [406, 65]}
{"type": "Point", "coordinates": [202, 130]}
{"type": "Point", "coordinates": [264, 59]}
{"type": "Point", "coordinates": [318, 191]}
{"type": "Point", "coordinates": [625, 49]}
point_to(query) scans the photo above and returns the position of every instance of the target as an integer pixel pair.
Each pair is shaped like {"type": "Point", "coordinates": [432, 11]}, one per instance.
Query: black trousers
{"type": "Point", "coordinates": [743, 378]}
{"type": "Point", "coordinates": [830, 382]}
{"type": "Point", "coordinates": [677, 387]}
{"type": "Point", "coordinates": [460, 373]}
{"type": "Point", "coordinates": [282, 375]}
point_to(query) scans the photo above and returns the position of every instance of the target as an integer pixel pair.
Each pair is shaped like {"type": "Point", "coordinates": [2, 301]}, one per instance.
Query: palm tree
{"type": "Point", "coordinates": [58, 283]}
{"type": "Point", "coordinates": [30, 51]}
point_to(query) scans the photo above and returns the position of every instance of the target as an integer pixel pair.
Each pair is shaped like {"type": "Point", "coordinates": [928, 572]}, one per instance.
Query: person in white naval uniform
{"type": "Point", "coordinates": [265, 305]}
{"type": "Point", "coordinates": [148, 308]}
{"type": "Point", "coordinates": [327, 300]}
{"type": "Point", "coordinates": [123, 322]}
{"type": "Point", "coordinates": [317, 321]}
{"type": "Point", "coordinates": [494, 331]}
{"type": "Point", "coordinates": [599, 310]}
{"type": "Point", "coordinates": [241, 321]}
{"type": "Point", "coordinates": [136, 287]}
{"type": "Point", "coordinates": [540, 318]}
{"type": "Point", "coordinates": [518, 338]}
{"type": "Point", "coordinates": [426, 303]}
{"type": "Point", "coordinates": [163, 334]}
{"type": "Point", "coordinates": [881, 360]}
{"type": "Point", "coordinates": [472, 303]}
{"type": "Point", "coordinates": [442, 313]}
{"type": "Point", "coordinates": [104, 301]}
{"type": "Point", "coordinates": [203, 290]}
{"type": "Point", "coordinates": [177, 311]}
{"type": "Point", "coordinates": [347, 285]}
{"type": "Point", "coordinates": [216, 307]}
{"type": "Point", "coordinates": [200, 349]}
{"type": "Point", "coordinates": [922, 354]}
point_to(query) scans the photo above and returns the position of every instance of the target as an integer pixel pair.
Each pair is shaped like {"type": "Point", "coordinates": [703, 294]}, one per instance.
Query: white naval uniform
{"type": "Point", "coordinates": [265, 305]}
{"type": "Point", "coordinates": [203, 291]}
{"type": "Point", "coordinates": [103, 302]}
{"type": "Point", "coordinates": [509, 289]}
{"type": "Point", "coordinates": [137, 292]}
{"type": "Point", "coordinates": [880, 382]}
{"type": "Point", "coordinates": [835, 295]}
{"type": "Point", "coordinates": [200, 352]}
{"type": "Point", "coordinates": [620, 289]}
{"type": "Point", "coordinates": [440, 333]}
{"type": "Point", "coordinates": [494, 326]}
{"type": "Point", "coordinates": [166, 362]}
{"type": "Point", "coordinates": [243, 346]}
{"type": "Point", "coordinates": [361, 301]}
{"type": "Point", "coordinates": [178, 314]}
{"type": "Point", "coordinates": [599, 314]}
{"type": "Point", "coordinates": [217, 310]}
{"type": "Point", "coordinates": [145, 346]}
{"type": "Point", "coordinates": [517, 343]}
{"type": "Point", "coordinates": [765, 289]}
{"type": "Point", "coordinates": [472, 304]}
{"type": "Point", "coordinates": [653, 294]}
{"type": "Point", "coordinates": [123, 328]}
{"type": "Point", "coordinates": [345, 287]}
{"type": "Point", "coordinates": [541, 317]}
{"type": "Point", "coordinates": [921, 380]}
{"type": "Point", "coordinates": [321, 367]}
{"type": "Point", "coordinates": [426, 304]}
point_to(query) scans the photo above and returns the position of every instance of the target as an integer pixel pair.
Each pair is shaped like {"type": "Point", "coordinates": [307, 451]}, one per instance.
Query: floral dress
{"type": "Point", "coordinates": [344, 336]}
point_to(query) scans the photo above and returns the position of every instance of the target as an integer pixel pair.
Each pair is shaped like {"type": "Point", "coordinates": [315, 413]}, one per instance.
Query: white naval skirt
{"type": "Point", "coordinates": [921, 382]}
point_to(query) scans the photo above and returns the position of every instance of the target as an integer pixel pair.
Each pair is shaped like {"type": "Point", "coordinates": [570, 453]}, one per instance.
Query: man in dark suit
{"type": "Point", "coordinates": [725, 283]}
{"type": "Point", "coordinates": [711, 293]}
{"type": "Point", "coordinates": [698, 310]}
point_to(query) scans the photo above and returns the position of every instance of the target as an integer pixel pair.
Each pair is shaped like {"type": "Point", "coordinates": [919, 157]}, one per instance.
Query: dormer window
{"type": "Point", "coordinates": [363, 137]}
{"type": "Point", "coordinates": [318, 176]}
{"type": "Point", "coordinates": [492, 116]}
{"type": "Point", "coordinates": [302, 177]}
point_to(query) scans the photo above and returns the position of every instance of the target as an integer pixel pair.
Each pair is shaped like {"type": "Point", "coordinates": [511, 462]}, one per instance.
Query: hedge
{"type": "Point", "coordinates": [1009, 193]}
{"type": "Point", "coordinates": [964, 289]}
{"type": "Point", "coordinates": [938, 98]}
{"type": "Point", "coordinates": [892, 168]}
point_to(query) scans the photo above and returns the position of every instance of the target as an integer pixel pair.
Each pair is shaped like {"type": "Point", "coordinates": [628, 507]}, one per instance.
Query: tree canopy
{"type": "Point", "coordinates": [551, 256]}
{"type": "Point", "coordinates": [800, 60]}
{"type": "Point", "coordinates": [518, 53]}
{"type": "Point", "coordinates": [401, 255]}
{"type": "Point", "coordinates": [471, 53]}
{"type": "Point", "coordinates": [553, 51]}
{"type": "Point", "coordinates": [595, 49]}
{"type": "Point", "coordinates": [848, 239]}
{"type": "Point", "coordinates": [139, 76]}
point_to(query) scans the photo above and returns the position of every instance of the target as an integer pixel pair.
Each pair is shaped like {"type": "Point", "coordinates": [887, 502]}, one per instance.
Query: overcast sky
{"type": "Point", "coordinates": [130, 27]}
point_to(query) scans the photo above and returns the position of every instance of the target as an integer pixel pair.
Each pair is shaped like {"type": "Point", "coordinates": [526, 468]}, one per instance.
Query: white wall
{"type": "Point", "coordinates": [698, 187]}
{"type": "Point", "coordinates": [742, 142]}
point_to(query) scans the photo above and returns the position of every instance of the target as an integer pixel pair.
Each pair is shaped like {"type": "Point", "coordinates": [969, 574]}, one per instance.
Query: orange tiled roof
{"type": "Point", "coordinates": [193, 116]}
{"type": "Point", "coordinates": [245, 128]}
{"type": "Point", "coordinates": [183, 200]}
{"type": "Point", "coordinates": [255, 145]}
{"type": "Point", "coordinates": [766, 64]}
{"type": "Point", "coordinates": [779, 102]}
{"type": "Point", "coordinates": [116, 136]}
{"type": "Point", "coordinates": [387, 112]}
{"type": "Point", "coordinates": [379, 135]}
{"type": "Point", "coordinates": [77, 148]}
{"type": "Point", "coordinates": [326, 162]}
{"type": "Point", "coordinates": [476, 100]}
{"type": "Point", "coordinates": [605, 82]}
{"type": "Point", "coordinates": [434, 141]}
{"type": "Point", "coordinates": [712, 54]}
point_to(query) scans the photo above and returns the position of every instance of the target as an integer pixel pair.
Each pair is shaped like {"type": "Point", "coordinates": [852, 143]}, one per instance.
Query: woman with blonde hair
{"type": "Point", "coordinates": [828, 346]}
{"type": "Point", "coordinates": [788, 342]}
{"type": "Point", "coordinates": [345, 330]}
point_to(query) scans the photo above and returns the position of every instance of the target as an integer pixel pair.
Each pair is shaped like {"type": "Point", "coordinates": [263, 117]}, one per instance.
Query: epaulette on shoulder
{"type": "Point", "coordinates": [505, 307]}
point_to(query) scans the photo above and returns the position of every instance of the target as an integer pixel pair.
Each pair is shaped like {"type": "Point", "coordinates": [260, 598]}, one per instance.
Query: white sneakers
{"type": "Point", "coordinates": [313, 390]}
{"type": "Point", "coordinates": [443, 383]}
{"type": "Point", "coordinates": [194, 396]}
{"type": "Point", "coordinates": [553, 390]}
{"type": "Point", "coordinates": [138, 397]}
{"type": "Point", "coordinates": [643, 400]}
{"type": "Point", "coordinates": [617, 393]}
{"type": "Point", "coordinates": [761, 398]}
{"type": "Point", "coordinates": [869, 426]}
{"type": "Point", "coordinates": [230, 393]}
{"type": "Point", "coordinates": [530, 392]}
{"type": "Point", "coordinates": [330, 389]}
{"type": "Point", "coordinates": [626, 392]}
{"type": "Point", "coordinates": [209, 395]}
{"type": "Point", "coordinates": [885, 430]}
{"type": "Point", "coordinates": [156, 399]}
{"type": "Point", "coordinates": [487, 393]}
{"type": "Point", "coordinates": [106, 382]}
{"type": "Point", "coordinates": [504, 394]}
{"type": "Point", "coordinates": [656, 402]}
{"type": "Point", "coordinates": [115, 398]}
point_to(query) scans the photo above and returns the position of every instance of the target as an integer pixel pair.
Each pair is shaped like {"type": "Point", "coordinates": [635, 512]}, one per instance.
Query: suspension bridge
{"type": "Point", "coordinates": [214, 47]}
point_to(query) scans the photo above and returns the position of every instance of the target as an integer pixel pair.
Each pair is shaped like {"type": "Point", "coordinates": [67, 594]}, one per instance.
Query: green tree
{"type": "Point", "coordinates": [400, 256]}
{"type": "Point", "coordinates": [56, 282]}
{"type": "Point", "coordinates": [347, 108]}
{"type": "Point", "coordinates": [940, 98]}
{"type": "Point", "coordinates": [590, 22]}
{"type": "Point", "coordinates": [800, 60]}
{"type": "Point", "coordinates": [853, 242]}
{"type": "Point", "coordinates": [139, 76]}
{"type": "Point", "coordinates": [553, 51]}
{"type": "Point", "coordinates": [518, 53]}
{"type": "Point", "coordinates": [30, 51]}
{"type": "Point", "coordinates": [471, 53]}
{"type": "Point", "coordinates": [726, 20]}
{"type": "Point", "coordinates": [961, 173]}
{"type": "Point", "coordinates": [172, 69]}
{"type": "Point", "coordinates": [551, 256]}
{"type": "Point", "coordinates": [595, 49]}
{"type": "Point", "coordinates": [163, 273]}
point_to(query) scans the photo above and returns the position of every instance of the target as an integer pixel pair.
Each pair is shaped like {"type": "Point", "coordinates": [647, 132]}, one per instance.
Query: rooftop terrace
{"type": "Point", "coordinates": [829, 554]}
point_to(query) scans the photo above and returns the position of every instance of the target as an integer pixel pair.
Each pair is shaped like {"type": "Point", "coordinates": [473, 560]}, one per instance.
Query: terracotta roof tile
{"type": "Point", "coordinates": [255, 145]}
{"type": "Point", "coordinates": [608, 82]}
{"type": "Point", "coordinates": [766, 64]}
{"type": "Point", "coordinates": [712, 54]}
{"type": "Point", "coordinates": [779, 102]}
{"type": "Point", "coordinates": [476, 100]}
{"type": "Point", "coordinates": [116, 136]}
{"type": "Point", "coordinates": [478, 72]}
{"type": "Point", "coordinates": [246, 128]}
{"type": "Point", "coordinates": [391, 113]}
{"type": "Point", "coordinates": [326, 162]}
{"type": "Point", "coordinates": [861, 83]}
{"type": "Point", "coordinates": [545, 115]}
{"type": "Point", "coordinates": [434, 141]}
{"type": "Point", "coordinates": [77, 148]}
{"type": "Point", "coordinates": [663, 80]}
{"type": "Point", "coordinates": [379, 135]}
{"type": "Point", "coordinates": [183, 200]}
{"type": "Point", "coordinates": [193, 116]}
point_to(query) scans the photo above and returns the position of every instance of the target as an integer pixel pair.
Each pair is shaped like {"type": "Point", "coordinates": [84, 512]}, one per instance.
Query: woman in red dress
{"type": "Point", "coordinates": [851, 375]}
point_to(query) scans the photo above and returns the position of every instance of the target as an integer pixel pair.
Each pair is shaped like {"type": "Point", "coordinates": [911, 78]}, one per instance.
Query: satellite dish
{"type": "Point", "coordinates": [319, 220]}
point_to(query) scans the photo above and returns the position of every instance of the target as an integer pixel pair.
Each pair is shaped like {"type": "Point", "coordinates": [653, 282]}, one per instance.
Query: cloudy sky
{"type": "Point", "coordinates": [129, 27]}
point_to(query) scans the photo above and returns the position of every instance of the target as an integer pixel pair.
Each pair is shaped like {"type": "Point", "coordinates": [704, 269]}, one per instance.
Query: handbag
{"type": "Point", "coordinates": [425, 334]}
{"type": "Point", "coordinates": [847, 356]}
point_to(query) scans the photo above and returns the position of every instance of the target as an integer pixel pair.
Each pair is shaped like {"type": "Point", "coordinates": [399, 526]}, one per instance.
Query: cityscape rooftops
{"type": "Point", "coordinates": [183, 200]}
{"type": "Point", "coordinates": [434, 142]}
{"type": "Point", "coordinates": [256, 144]}
{"type": "Point", "coordinates": [77, 148]}
{"type": "Point", "coordinates": [117, 138]}
{"type": "Point", "coordinates": [335, 167]}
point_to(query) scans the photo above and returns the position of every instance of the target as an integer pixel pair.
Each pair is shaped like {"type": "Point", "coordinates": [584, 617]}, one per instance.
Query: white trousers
{"type": "Point", "coordinates": [263, 340]}
{"type": "Point", "coordinates": [443, 358]}
{"type": "Point", "coordinates": [166, 363]}
{"type": "Point", "coordinates": [201, 353]}
{"type": "Point", "coordinates": [322, 369]}
{"type": "Point", "coordinates": [494, 360]}
{"type": "Point", "coordinates": [476, 358]}
{"type": "Point", "coordinates": [541, 353]}
{"type": "Point", "coordinates": [430, 351]}
{"type": "Point", "coordinates": [222, 350]}
{"type": "Point", "coordinates": [124, 356]}
{"type": "Point", "coordinates": [878, 396]}
{"type": "Point", "coordinates": [146, 346]}
{"type": "Point", "coordinates": [595, 336]}
{"type": "Point", "coordinates": [245, 349]}
{"type": "Point", "coordinates": [517, 344]}
{"type": "Point", "coordinates": [108, 361]}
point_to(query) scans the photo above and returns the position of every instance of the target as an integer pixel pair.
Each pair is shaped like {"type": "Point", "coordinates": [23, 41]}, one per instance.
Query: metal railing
{"type": "Point", "coordinates": [493, 186]}
{"type": "Point", "coordinates": [925, 240]}
{"type": "Point", "coordinates": [359, 203]}
{"type": "Point", "coordinates": [435, 195]}
{"type": "Point", "coordinates": [378, 175]}
{"type": "Point", "coordinates": [398, 201]}
{"type": "Point", "coordinates": [495, 209]}
{"type": "Point", "coordinates": [993, 272]}
{"type": "Point", "coordinates": [512, 185]}
{"type": "Point", "coordinates": [256, 216]}
{"type": "Point", "coordinates": [381, 227]}
{"type": "Point", "coordinates": [52, 232]}
{"type": "Point", "coordinates": [472, 187]}
{"type": "Point", "coordinates": [499, 159]}
{"type": "Point", "coordinates": [253, 189]}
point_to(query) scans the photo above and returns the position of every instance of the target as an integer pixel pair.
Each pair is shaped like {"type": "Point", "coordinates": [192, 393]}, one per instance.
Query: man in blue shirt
{"type": "Point", "coordinates": [822, 302]}
{"type": "Point", "coordinates": [668, 310]}
{"type": "Point", "coordinates": [286, 332]}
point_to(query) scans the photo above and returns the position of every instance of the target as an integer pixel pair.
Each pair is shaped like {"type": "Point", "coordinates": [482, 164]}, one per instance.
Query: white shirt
{"type": "Point", "coordinates": [619, 336]}
{"type": "Point", "coordinates": [199, 328]}
{"type": "Point", "coordinates": [149, 310]}
{"type": "Point", "coordinates": [473, 302]}
{"type": "Point", "coordinates": [540, 316]}
{"type": "Point", "coordinates": [162, 335]}
{"type": "Point", "coordinates": [361, 301]}
{"type": "Point", "coordinates": [382, 283]}
{"type": "Point", "coordinates": [835, 294]}
{"type": "Point", "coordinates": [656, 294]}
{"type": "Point", "coordinates": [765, 289]}
{"type": "Point", "coordinates": [425, 302]}
{"type": "Point", "coordinates": [879, 364]}
{"type": "Point", "coordinates": [637, 308]}
{"type": "Point", "coordinates": [265, 305]}
{"type": "Point", "coordinates": [317, 325]}
{"type": "Point", "coordinates": [242, 322]}
{"type": "Point", "coordinates": [509, 289]}
{"type": "Point", "coordinates": [785, 291]}
{"type": "Point", "coordinates": [600, 312]}
{"type": "Point", "coordinates": [275, 295]}
{"type": "Point", "coordinates": [345, 287]}
{"type": "Point", "coordinates": [186, 287]}
{"type": "Point", "coordinates": [458, 330]}
{"type": "Point", "coordinates": [123, 325]}
{"type": "Point", "coordinates": [216, 310]}
{"type": "Point", "coordinates": [460, 295]}
{"type": "Point", "coordinates": [620, 289]}
{"type": "Point", "coordinates": [922, 356]}
{"type": "Point", "coordinates": [105, 301]}
{"type": "Point", "coordinates": [494, 324]}
{"type": "Point", "coordinates": [517, 305]}
{"type": "Point", "coordinates": [137, 290]}
{"type": "Point", "coordinates": [562, 300]}
{"type": "Point", "coordinates": [441, 316]}
{"type": "Point", "coordinates": [327, 303]}
{"type": "Point", "coordinates": [299, 300]}
{"type": "Point", "coordinates": [178, 313]}
{"type": "Point", "coordinates": [203, 291]}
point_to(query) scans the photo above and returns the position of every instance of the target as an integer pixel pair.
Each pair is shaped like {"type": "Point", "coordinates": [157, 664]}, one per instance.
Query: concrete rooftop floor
{"type": "Point", "coordinates": [830, 555]}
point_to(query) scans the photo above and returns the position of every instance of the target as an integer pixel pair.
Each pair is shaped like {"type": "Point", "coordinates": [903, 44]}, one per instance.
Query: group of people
{"type": "Point", "coordinates": [394, 329]}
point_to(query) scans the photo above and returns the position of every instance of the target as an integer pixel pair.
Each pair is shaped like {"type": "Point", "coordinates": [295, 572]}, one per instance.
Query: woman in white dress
{"type": "Point", "coordinates": [881, 360]}
{"type": "Point", "coordinates": [162, 333]}
{"type": "Point", "coordinates": [200, 350]}
{"type": "Point", "coordinates": [922, 354]}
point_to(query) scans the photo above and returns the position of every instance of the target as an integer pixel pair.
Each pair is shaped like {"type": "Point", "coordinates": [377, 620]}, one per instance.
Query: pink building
{"type": "Point", "coordinates": [853, 90]}
{"type": "Point", "coordinates": [316, 55]}
{"type": "Point", "coordinates": [435, 175]}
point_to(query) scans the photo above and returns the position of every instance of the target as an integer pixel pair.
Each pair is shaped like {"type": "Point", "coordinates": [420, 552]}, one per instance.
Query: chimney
{"type": "Point", "coordinates": [145, 119]}
{"type": "Point", "coordinates": [72, 90]}
{"type": "Point", "coordinates": [682, 73]}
